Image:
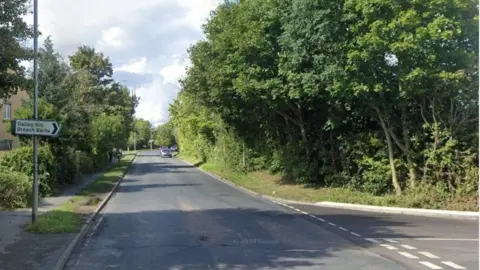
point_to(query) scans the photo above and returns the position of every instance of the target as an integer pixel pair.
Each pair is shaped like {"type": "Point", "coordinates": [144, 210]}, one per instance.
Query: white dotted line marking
{"type": "Point", "coordinates": [372, 240]}
{"type": "Point", "coordinates": [431, 265]}
{"type": "Point", "coordinates": [388, 247]}
{"type": "Point", "coordinates": [454, 265]}
{"type": "Point", "coordinates": [391, 240]}
{"type": "Point", "coordinates": [429, 255]}
{"type": "Point", "coordinates": [409, 247]}
{"type": "Point", "coordinates": [408, 255]}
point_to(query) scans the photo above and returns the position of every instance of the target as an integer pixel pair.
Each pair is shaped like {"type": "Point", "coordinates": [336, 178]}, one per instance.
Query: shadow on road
{"type": "Point", "coordinates": [232, 238]}
{"type": "Point", "coordinates": [138, 188]}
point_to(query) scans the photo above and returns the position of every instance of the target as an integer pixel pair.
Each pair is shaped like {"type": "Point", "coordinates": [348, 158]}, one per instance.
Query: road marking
{"type": "Point", "coordinates": [356, 234]}
{"type": "Point", "coordinates": [333, 224]}
{"type": "Point", "coordinates": [391, 240]}
{"type": "Point", "coordinates": [388, 247]}
{"type": "Point", "coordinates": [303, 212]}
{"type": "Point", "coordinates": [454, 265]}
{"type": "Point", "coordinates": [321, 219]}
{"type": "Point", "coordinates": [372, 240]}
{"type": "Point", "coordinates": [431, 265]}
{"type": "Point", "coordinates": [408, 255]}
{"type": "Point", "coordinates": [343, 229]}
{"type": "Point", "coordinates": [313, 216]}
{"type": "Point", "coordinates": [409, 247]}
{"type": "Point", "coordinates": [429, 255]}
{"type": "Point", "coordinates": [446, 239]}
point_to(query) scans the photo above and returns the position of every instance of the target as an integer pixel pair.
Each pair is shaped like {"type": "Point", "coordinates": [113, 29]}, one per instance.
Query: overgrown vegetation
{"type": "Point", "coordinates": [95, 112]}
{"type": "Point", "coordinates": [69, 217]}
{"type": "Point", "coordinates": [371, 97]}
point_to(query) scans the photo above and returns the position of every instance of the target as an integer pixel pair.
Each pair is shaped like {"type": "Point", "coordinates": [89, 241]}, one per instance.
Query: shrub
{"type": "Point", "coordinates": [66, 167]}
{"type": "Point", "coordinates": [20, 160]}
{"type": "Point", "coordinates": [15, 190]}
{"type": "Point", "coordinates": [85, 163]}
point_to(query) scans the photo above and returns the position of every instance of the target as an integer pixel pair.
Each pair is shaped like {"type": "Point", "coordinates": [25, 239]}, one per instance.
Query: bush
{"type": "Point", "coordinates": [20, 160]}
{"type": "Point", "coordinates": [85, 163]}
{"type": "Point", "coordinates": [15, 190]}
{"type": "Point", "coordinates": [65, 165]}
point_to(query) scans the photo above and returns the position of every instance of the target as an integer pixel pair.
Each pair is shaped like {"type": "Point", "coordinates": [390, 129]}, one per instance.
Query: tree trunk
{"type": "Point", "coordinates": [412, 175]}
{"type": "Point", "coordinates": [396, 185]}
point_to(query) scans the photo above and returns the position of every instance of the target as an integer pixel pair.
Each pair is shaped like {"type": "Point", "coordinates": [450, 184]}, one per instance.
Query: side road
{"type": "Point", "coordinates": [39, 251]}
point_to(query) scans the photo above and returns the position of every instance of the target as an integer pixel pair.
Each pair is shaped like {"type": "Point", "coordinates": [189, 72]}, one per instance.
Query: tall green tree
{"type": "Point", "coordinates": [14, 32]}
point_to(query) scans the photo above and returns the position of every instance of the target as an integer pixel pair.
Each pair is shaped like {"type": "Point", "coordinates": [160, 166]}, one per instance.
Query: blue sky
{"type": "Point", "coordinates": [146, 40]}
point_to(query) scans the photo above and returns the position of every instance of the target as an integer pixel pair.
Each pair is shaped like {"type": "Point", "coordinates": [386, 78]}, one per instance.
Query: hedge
{"type": "Point", "coordinates": [15, 190]}
{"type": "Point", "coordinates": [20, 160]}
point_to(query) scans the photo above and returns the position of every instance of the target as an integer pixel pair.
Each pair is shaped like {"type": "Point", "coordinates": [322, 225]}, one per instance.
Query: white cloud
{"type": "Point", "coordinates": [112, 37]}
{"type": "Point", "coordinates": [146, 40]}
{"type": "Point", "coordinates": [136, 66]}
{"type": "Point", "coordinates": [172, 73]}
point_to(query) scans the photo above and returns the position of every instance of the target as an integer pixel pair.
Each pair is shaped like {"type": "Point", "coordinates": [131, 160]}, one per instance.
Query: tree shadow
{"type": "Point", "coordinates": [228, 238]}
{"type": "Point", "coordinates": [137, 188]}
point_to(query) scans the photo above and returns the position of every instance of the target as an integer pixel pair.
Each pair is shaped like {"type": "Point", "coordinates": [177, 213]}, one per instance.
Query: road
{"type": "Point", "coordinates": [169, 215]}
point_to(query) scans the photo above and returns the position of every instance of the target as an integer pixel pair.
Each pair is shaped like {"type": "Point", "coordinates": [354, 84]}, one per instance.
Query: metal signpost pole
{"type": "Point", "coordinates": [35, 108]}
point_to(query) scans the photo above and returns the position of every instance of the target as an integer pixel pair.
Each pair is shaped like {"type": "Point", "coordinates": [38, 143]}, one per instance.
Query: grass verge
{"type": "Point", "coordinates": [271, 185]}
{"type": "Point", "coordinates": [69, 217]}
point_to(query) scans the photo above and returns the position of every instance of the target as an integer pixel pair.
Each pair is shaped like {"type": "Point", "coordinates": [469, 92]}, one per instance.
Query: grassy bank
{"type": "Point", "coordinates": [272, 185]}
{"type": "Point", "coordinates": [70, 216]}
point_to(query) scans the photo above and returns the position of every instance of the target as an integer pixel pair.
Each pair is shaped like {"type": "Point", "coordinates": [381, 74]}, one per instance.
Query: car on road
{"type": "Point", "coordinates": [165, 152]}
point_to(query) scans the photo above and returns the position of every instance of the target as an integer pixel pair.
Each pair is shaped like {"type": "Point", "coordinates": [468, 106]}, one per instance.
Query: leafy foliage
{"type": "Point", "coordinates": [376, 96]}
{"type": "Point", "coordinates": [94, 111]}
{"type": "Point", "coordinates": [14, 31]}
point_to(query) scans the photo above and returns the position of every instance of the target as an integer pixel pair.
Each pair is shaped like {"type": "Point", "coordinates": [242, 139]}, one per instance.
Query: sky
{"type": "Point", "coordinates": [146, 40]}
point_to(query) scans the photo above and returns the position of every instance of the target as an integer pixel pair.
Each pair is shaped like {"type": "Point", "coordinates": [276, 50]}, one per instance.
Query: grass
{"type": "Point", "coordinates": [68, 218]}
{"type": "Point", "coordinates": [272, 185]}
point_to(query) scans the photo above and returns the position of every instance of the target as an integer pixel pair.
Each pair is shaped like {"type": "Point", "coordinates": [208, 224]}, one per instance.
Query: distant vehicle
{"type": "Point", "coordinates": [174, 148]}
{"type": "Point", "coordinates": [165, 152]}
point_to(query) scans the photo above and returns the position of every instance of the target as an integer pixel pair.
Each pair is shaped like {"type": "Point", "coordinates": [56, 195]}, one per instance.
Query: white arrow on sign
{"type": "Point", "coordinates": [46, 128]}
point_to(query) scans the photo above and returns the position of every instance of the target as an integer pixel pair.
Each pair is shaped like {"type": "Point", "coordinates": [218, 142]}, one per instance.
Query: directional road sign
{"type": "Point", "coordinates": [44, 128]}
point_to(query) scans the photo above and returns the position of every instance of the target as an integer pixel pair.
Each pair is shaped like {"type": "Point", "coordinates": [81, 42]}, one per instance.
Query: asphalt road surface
{"type": "Point", "coordinates": [169, 215]}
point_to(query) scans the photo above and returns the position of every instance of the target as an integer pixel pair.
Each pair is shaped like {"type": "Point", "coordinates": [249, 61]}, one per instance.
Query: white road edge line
{"type": "Point", "coordinates": [454, 265]}
{"type": "Point", "coordinates": [343, 229]}
{"type": "Point", "coordinates": [372, 240]}
{"type": "Point", "coordinates": [356, 234]}
{"type": "Point", "coordinates": [333, 224]}
{"type": "Point", "coordinates": [429, 255]}
{"type": "Point", "coordinates": [408, 255]}
{"type": "Point", "coordinates": [321, 219]}
{"type": "Point", "coordinates": [312, 216]}
{"type": "Point", "coordinates": [303, 212]}
{"type": "Point", "coordinates": [409, 247]}
{"type": "Point", "coordinates": [431, 265]}
{"type": "Point", "coordinates": [388, 247]}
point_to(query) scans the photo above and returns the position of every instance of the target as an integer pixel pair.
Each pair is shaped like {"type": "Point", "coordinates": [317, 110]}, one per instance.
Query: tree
{"type": "Point", "coordinates": [378, 96]}
{"type": "Point", "coordinates": [95, 63]}
{"type": "Point", "coordinates": [52, 71]}
{"type": "Point", "coordinates": [164, 135]}
{"type": "Point", "coordinates": [14, 32]}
